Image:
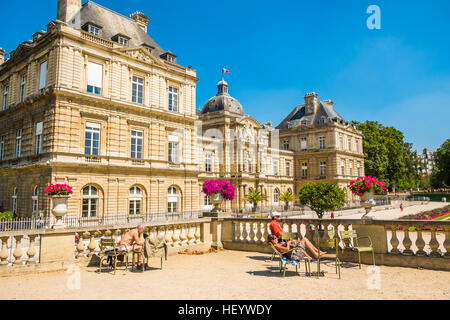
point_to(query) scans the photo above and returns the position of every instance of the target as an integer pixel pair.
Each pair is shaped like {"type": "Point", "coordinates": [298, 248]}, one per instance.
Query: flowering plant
{"type": "Point", "coordinates": [58, 190]}
{"type": "Point", "coordinates": [366, 184]}
{"type": "Point", "coordinates": [219, 186]}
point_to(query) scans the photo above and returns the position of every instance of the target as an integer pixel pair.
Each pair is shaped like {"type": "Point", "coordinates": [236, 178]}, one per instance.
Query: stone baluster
{"type": "Point", "coordinates": [346, 242]}
{"type": "Point", "coordinates": [18, 251]}
{"type": "Point", "coordinates": [183, 236]}
{"type": "Point", "coordinates": [336, 233]}
{"type": "Point", "coordinates": [326, 236]}
{"type": "Point", "coordinates": [190, 235]}
{"type": "Point", "coordinates": [244, 232]}
{"type": "Point", "coordinates": [92, 244]}
{"type": "Point", "coordinates": [434, 244]}
{"type": "Point", "coordinates": [175, 237]}
{"type": "Point", "coordinates": [31, 250]}
{"type": "Point", "coordinates": [259, 234]}
{"type": "Point", "coordinates": [197, 233]}
{"type": "Point", "coordinates": [447, 241]}
{"type": "Point", "coordinates": [233, 231]}
{"type": "Point", "coordinates": [80, 246]}
{"type": "Point", "coordinates": [4, 251]}
{"type": "Point", "coordinates": [407, 243]}
{"type": "Point", "coordinates": [394, 240]}
{"type": "Point", "coordinates": [167, 237]}
{"type": "Point", "coordinates": [290, 227]}
{"type": "Point", "coordinates": [158, 232]}
{"type": "Point", "coordinates": [252, 232]}
{"type": "Point", "coordinates": [420, 243]}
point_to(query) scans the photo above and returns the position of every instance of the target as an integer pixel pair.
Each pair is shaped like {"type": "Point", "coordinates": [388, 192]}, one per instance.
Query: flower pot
{"type": "Point", "coordinates": [216, 200]}
{"type": "Point", "coordinates": [59, 210]}
{"type": "Point", "coordinates": [367, 196]}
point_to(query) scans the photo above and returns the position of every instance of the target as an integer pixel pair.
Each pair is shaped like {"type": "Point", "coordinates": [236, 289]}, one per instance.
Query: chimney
{"type": "Point", "coordinates": [141, 19]}
{"type": "Point", "coordinates": [2, 56]}
{"type": "Point", "coordinates": [67, 9]}
{"type": "Point", "coordinates": [311, 103]}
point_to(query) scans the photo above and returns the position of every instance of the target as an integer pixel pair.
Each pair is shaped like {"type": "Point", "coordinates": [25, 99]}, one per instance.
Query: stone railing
{"type": "Point", "coordinates": [51, 250]}
{"type": "Point", "coordinates": [396, 243]}
{"type": "Point", "coordinates": [95, 39]}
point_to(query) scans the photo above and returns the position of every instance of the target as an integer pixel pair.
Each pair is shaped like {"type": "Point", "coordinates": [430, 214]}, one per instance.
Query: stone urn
{"type": "Point", "coordinates": [59, 210]}
{"type": "Point", "coordinates": [216, 200]}
{"type": "Point", "coordinates": [367, 202]}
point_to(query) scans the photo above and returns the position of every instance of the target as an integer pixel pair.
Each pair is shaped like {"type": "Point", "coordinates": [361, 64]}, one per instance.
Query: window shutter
{"type": "Point", "coordinates": [95, 74]}
{"type": "Point", "coordinates": [43, 75]}
{"type": "Point", "coordinates": [39, 127]}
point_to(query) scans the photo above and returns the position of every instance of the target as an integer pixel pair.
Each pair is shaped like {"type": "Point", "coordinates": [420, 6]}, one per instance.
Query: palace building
{"type": "Point", "coordinates": [96, 103]}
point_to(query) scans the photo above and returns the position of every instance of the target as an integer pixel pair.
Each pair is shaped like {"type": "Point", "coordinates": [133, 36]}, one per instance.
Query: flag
{"type": "Point", "coordinates": [225, 70]}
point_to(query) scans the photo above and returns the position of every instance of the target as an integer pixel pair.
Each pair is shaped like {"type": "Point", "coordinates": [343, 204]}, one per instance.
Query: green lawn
{"type": "Point", "coordinates": [444, 217]}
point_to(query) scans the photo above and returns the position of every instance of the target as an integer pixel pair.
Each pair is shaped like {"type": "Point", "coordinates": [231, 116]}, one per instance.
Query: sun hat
{"type": "Point", "coordinates": [276, 214]}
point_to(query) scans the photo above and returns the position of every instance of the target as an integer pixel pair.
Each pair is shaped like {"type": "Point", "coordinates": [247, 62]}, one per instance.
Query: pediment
{"type": "Point", "coordinates": [141, 54]}
{"type": "Point", "coordinates": [249, 121]}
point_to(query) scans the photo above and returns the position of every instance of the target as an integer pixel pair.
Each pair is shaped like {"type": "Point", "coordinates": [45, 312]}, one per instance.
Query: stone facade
{"type": "Point", "coordinates": [95, 103]}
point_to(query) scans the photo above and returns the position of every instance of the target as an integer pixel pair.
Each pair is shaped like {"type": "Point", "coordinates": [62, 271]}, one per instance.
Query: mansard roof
{"type": "Point", "coordinates": [299, 116]}
{"type": "Point", "coordinates": [113, 23]}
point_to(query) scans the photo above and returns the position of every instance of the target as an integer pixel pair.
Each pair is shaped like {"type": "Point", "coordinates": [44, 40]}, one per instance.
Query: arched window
{"type": "Point", "coordinates": [14, 201]}
{"type": "Point", "coordinates": [90, 201]}
{"type": "Point", "coordinates": [276, 195]}
{"type": "Point", "coordinates": [35, 200]}
{"type": "Point", "coordinates": [172, 200]}
{"type": "Point", "coordinates": [135, 201]}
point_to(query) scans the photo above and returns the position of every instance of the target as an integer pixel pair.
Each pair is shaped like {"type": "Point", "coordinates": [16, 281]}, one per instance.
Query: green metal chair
{"type": "Point", "coordinates": [286, 236]}
{"type": "Point", "coordinates": [329, 244]}
{"type": "Point", "coordinates": [284, 261]}
{"type": "Point", "coordinates": [108, 250]}
{"type": "Point", "coordinates": [351, 234]}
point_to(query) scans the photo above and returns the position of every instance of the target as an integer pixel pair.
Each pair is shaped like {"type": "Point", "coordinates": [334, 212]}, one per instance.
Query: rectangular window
{"type": "Point", "coordinates": [275, 167]}
{"type": "Point", "coordinates": [286, 144]}
{"type": "Point", "coordinates": [137, 90]}
{"type": "Point", "coordinates": [95, 78]}
{"type": "Point", "coordinates": [341, 143]}
{"type": "Point", "coordinates": [349, 144]}
{"type": "Point", "coordinates": [351, 169]}
{"type": "Point", "coordinates": [321, 143]}
{"type": "Point", "coordinates": [43, 77]}
{"type": "Point", "coordinates": [5, 97]}
{"type": "Point", "coordinates": [123, 41]}
{"type": "Point", "coordinates": [303, 144]}
{"type": "Point", "coordinates": [288, 169]}
{"type": "Point", "coordinates": [136, 144]}
{"type": "Point", "coordinates": [94, 30]}
{"type": "Point", "coordinates": [359, 170]}
{"type": "Point", "coordinates": [323, 169]}
{"type": "Point", "coordinates": [207, 200]}
{"type": "Point", "coordinates": [2, 148]}
{"type": "Point", "coordinates": [173, 149]}
{"type": "Point", "coordinates": [22, 89]}
{"type": "Point", "coordinates": [208, 162]}
{"type": "Point", "coordinates": [18, 143]}
{"type": "Point", "coordinates": [92, 139]}
{"type": "Point", "coordinates": [305, 170]}
{"type": "Point", "coordinates": [173, 99]}
{"type": "Point", "coordinates": [39, 129]}
{"type": "Point", "coordinates": [343, 168]}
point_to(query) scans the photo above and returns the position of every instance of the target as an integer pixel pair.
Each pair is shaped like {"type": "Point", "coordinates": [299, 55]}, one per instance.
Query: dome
{"type": "Point", "coordinates": [223, 101]}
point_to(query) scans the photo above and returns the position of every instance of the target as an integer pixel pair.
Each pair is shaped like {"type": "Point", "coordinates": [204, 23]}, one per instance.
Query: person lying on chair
{"type": "Point", "coordinates": [299, 246]}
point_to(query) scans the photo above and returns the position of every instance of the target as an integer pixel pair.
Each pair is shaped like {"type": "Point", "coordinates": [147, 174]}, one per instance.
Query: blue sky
{"type": "Point", "coordinates": [278, 51]}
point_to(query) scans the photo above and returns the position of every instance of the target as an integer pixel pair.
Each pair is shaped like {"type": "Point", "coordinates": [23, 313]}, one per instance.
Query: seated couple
{"type": "Point", "coordinates": [298, 246]}
{"type": "Point", "coordinates": [131, 238]}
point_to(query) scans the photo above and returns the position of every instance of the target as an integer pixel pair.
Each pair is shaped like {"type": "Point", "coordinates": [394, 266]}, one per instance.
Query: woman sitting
{"type": "Point", "coordinates": [295, 250]}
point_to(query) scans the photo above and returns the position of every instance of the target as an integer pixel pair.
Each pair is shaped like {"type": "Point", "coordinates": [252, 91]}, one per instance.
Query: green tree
{"type": "Point", "coordinates": [441, 172]}
{"type": "Point", "coordinates": [255, 196]}
{"type": "Point", "coordinates": [388, 157]}
{"type": "Point", "coordinates": [322, 197]}
{"type": "Point", "coordinates": [8, 215]}
{"type": "Point", "coordinates": [287, 197]}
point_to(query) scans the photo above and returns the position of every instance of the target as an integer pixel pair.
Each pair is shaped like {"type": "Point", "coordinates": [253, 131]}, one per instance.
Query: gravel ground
{"type": "Point", "coordinates": [228, 275]}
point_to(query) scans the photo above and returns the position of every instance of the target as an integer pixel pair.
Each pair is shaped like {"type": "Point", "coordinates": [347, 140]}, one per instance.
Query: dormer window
{"type": "Point", "coordinates": [169, 56]}
{"type": "Point", "coordinates": [121, 39]}
{"type": "Point", "coordinates": [147, 47]}
{"type": "Point", "coordinates": [92, 28]}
